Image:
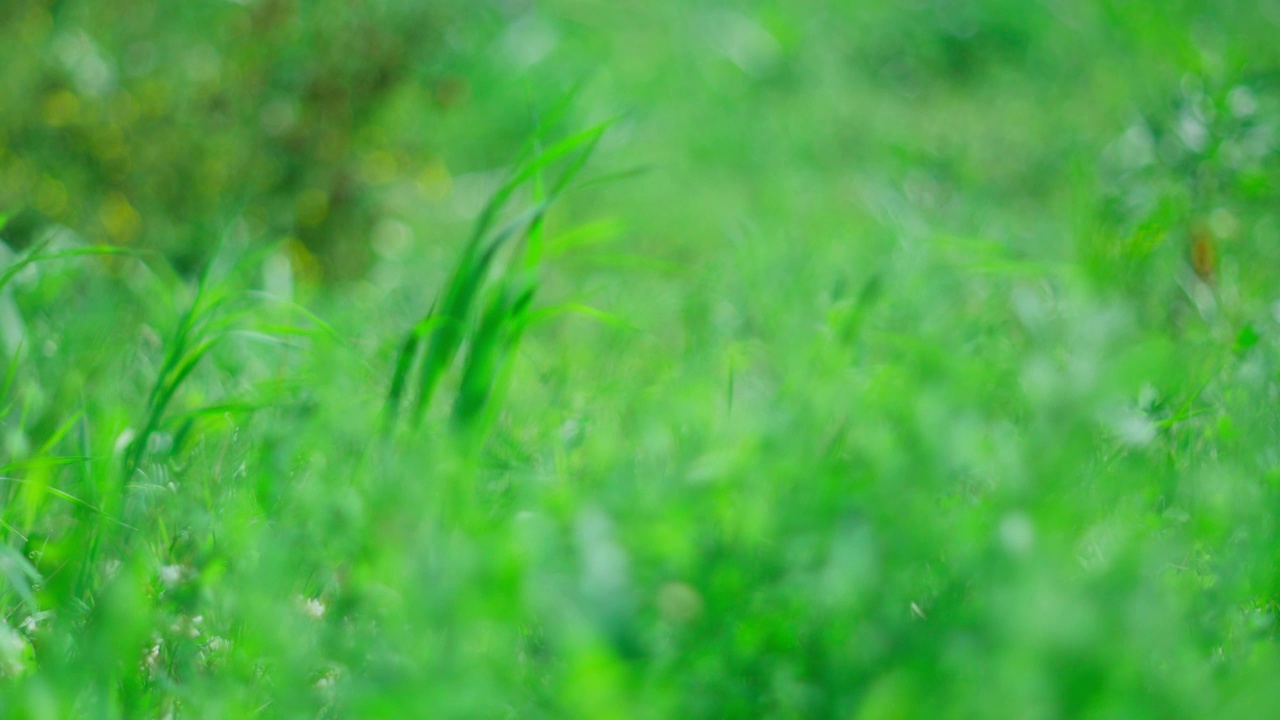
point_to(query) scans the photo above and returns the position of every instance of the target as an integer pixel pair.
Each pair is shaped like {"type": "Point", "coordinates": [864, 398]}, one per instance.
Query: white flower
{"type": "Point", "coordinates": [171, 575]}
{"type": "Point", "coordinates": [313, 608]}
{"type": "Point", "coordinates": [151, 662]}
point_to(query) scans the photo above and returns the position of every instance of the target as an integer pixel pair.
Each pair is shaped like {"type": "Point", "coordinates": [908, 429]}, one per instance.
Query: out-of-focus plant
{"type": "Point", "coordinates": [158, 124]}
{"type": "Point", "coordinates": [1186, 194]}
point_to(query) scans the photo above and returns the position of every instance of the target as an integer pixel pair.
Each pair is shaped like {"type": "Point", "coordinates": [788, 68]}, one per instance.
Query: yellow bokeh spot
{"type": "Point", "coordinates": [378, 167]}
{"type": "Point", "coordinates": [61, 108]}
{"type": "Point", "coordinates": [435, 181]}
{"type": "Point", "coordinates": [109, 143]}
{"type": "Point", "coordinates": [152, 98]}
{"type": "Point", "coordinates": [306, 268]}
{"type": "Point", "coordinates": [51, 198]}
{"type": "Point", "coordinates": [311, 207]}
{"type": "Point", "coordinates": [17, 175]}
{"type": "Point", "coordinates": [124, 108]}
{"type": "Point", "coordinates": [37, 25]}
{"type": "Point", "coordinates": [119, 218]}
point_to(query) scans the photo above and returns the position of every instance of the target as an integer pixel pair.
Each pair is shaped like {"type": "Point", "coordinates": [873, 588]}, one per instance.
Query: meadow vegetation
{"type": "Point", "coordinates": [625, 359]}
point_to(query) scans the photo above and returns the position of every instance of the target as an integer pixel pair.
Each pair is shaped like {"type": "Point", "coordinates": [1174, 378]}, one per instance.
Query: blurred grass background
{"type": "Point", "coordinates": [927, 367]}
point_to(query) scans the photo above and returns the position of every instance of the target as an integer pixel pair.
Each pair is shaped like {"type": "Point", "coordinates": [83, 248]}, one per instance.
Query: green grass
{"type": "Point", "coordinates": [352, 370]}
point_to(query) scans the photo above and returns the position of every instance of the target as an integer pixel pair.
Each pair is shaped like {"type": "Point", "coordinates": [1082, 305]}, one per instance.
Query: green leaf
{"type": "Point", "coordinates": [1246, 338]}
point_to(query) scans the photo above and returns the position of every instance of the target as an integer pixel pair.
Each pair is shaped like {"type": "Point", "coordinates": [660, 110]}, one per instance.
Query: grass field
{"type": "Point", "coordinates": [639, 359]}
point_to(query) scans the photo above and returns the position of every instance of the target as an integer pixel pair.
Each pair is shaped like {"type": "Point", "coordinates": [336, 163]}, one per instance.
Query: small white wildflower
{"type": "Point", "coordinates": [1017, 533]}
{"type": "Point", "coordinates": [1134, 428]}
{"type": "Point", "coordinates": [679, 603]}
{"type": "Point", "coordinates": [151, 662]}
{"type": "Point", "coordinates": [187, 626]}
{"type": "Point", "coordinates": [313, 608]}
{"type": "Point", "coordinates": [171, 575]}
{"type": "Point", "coordinates": [570, 431]}
{"type": "Point", "coordinates": [14, 653]}
{"type": "Point", "coordinates": [327, 680]}
{"type": "Point", "coordinates": [212, 649]}
{"type": "Point", "coordinates": [32, 622]}
{"type": "Point", "coordinates": [1242, 102]}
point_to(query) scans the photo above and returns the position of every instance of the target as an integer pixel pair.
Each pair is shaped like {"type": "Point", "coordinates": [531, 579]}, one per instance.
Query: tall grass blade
{"type": "Point", "coordinates": [36, 255]}
{"type": "Point", "coordinates": [405, 358]}
{"type": "Point", "coordinates": [453, 321]}
{"type": "Point", "coordinates": [20, 575]}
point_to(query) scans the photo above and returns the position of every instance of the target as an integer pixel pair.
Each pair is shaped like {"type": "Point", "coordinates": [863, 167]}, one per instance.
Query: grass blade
{"type": "Point", "coordinates": [35, 256]}
{"type": "Point", "coordinates": [20, 575]}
